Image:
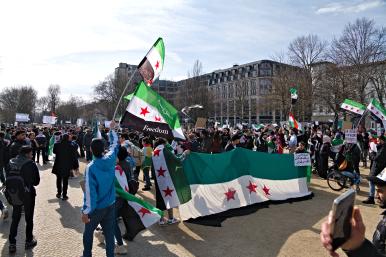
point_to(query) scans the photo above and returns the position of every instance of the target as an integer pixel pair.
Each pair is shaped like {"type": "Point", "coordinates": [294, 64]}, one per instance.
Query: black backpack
{"type": "Point", "coordinates": [15, 188]}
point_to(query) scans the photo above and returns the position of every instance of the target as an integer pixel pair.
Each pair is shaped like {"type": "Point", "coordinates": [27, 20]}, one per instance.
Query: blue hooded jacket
{"type": "Point", "coordinates": [99, 179]}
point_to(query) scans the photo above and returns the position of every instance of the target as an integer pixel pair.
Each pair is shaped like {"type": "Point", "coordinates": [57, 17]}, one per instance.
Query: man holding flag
{"type": "Point", "coordinates": [99, 195]}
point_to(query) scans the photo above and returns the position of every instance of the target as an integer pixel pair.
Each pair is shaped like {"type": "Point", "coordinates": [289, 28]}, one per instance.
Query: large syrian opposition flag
{"type": "Point", "coordinates": [241, 177]}
{"type": "Point", "coordinates": [149, 112]}
{"type": "Point", "coordinates": [294, 95]}
{"type": "Point", "coordinates": [151, 66]}
{"type": "Point", "coordinates": [353, 107]}
{"type": "Point", "coordinates": [171, 179]}
{"type": "Point", "coordinates": [293, 122]}
{"type": "Point", "coordinates": [142, 214]}
{"type": "Point", "coordinates": [378, 112]}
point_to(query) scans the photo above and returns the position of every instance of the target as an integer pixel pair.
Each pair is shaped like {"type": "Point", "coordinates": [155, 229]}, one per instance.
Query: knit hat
{"type": "Point", "coordinates": [326, 139]}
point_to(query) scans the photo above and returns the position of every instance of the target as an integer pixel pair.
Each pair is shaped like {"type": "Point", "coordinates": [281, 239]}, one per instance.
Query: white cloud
{"type": "Point", "coordinates": [350, 7]}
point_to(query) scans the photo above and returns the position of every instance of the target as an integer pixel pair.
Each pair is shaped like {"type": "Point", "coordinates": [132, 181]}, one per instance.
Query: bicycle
{"type": "Point", "coordinates": [337, 180]}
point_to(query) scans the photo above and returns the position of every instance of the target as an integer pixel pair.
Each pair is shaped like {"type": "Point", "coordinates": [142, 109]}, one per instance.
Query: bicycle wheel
{"type": "Point", "coordinates": [336, 181]}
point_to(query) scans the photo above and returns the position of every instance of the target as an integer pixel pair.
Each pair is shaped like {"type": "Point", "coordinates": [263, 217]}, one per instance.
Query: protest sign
{"type": "Point", "coordinates": [107, 123]}
{"type": "Point", "coordinates": [22, 117]}
{"type": "Point", "coordinates": [302, 159]}
{"type": "Point", "coordinates": [79, 122]}
{"type": "Point", "coordinates": [200, 123]}
{"type": "Point", "coordinates": [350, 136]}
{"type": "Point", "coordinates": [49, 119]}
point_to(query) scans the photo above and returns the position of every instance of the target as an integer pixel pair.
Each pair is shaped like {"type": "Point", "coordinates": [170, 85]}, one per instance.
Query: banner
{"type": "Point", "coordinates": [49, 120]}
{"type": "Point", "coordinates": [22, 117]}
{"type": "Point", "coordinates": [241, 177]}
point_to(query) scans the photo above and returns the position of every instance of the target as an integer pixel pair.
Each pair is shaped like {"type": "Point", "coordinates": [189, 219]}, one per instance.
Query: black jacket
{"type": "Point", "coordinates": [87, 140]}
{"type": "Point", "coordinates": [30, 174]}
{"type": "Point", "coordinates": [66, 159]}
{"type": "Point", "coordinates": [377, 248]}
{"type": "Point", "coordinates": [379, 161]}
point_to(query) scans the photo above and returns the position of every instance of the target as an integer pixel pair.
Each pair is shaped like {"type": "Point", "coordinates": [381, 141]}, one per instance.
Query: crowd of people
{"type": "Point", "coordinates": [131, 151]}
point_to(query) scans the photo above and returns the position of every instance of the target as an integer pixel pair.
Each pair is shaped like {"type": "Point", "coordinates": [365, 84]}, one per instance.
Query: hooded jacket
{"type": "Point", "coordinates": [99, 179]}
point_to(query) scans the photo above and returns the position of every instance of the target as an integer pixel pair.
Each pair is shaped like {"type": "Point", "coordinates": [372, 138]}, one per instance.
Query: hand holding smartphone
{"type": "Point", "coordinates": [342, 212]}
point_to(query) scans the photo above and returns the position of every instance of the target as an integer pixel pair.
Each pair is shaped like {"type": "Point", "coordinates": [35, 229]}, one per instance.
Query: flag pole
{"type": "Point", "coordinates": [363, 115]}
{"type": "Point", "coordinates": [123, 92]}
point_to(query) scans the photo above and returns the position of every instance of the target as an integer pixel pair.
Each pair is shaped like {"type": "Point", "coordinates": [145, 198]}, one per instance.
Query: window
{"type": "Point", "coordinates": [265, 86]}
{"type": "Point", "coordinates": [253, 87]}
{"type": "Point", "coordinates": [265, 70]}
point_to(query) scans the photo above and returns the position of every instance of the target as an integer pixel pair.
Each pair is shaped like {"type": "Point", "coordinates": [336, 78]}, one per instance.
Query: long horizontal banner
{"type": "Point", "coordinates": [241, 177]}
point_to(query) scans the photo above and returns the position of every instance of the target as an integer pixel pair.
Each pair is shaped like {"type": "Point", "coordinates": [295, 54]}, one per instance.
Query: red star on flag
{"type": "Point", "coordinates": [252, 187]}
{"type": "Point", "coordinates": [266, 190]}
{"type": "Point", "coordinates": [230, 194]}
{"type": "Point", "coordinates": [144, 111]}
{"type": "Point", "coordinates": [161, 172]}
{"type": "Point", "coordinates": [372, 107]}
{"type": "Point", "coordinates": [120, 170]}
{"type": "Point", "coordinates": [157, 118]}
{"type": "Point", "coordinates": [127, 189]}
{"type": "Point", "coordinates": [377, 113]}
{"type": "Point", "coordinates": [157, 65]}
{"type": "Point", "coordinates": [144, 211]}
{"type": "Point", "coordinates": [168, 191]}
{"type": "Point", "coordinates": [156, 152]}
{"type": "Point", "coordinates": [352, 108]}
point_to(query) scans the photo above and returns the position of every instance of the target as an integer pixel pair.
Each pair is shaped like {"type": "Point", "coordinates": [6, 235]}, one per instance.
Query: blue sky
{"type": "Point", "coordinates": [77, 43]}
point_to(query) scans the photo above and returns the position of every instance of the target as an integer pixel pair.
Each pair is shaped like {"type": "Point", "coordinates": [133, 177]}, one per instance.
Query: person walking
{"type": "Point", "coordinates": [23, 165]}
{"type": "Point", "coordinates": [17, 144]}
{"type": "Point", "coordinates": [99, 196]}
{"type": "Point", "coordinates": [87, 144]}
{"type": "Point", "coordinates": [79, 140]}
{"type": "Point", "coordinates": [147, 162]}
{"type": "Point", "coordinates": [42, 142]}
{"type": "Point", "coordinates": [34, 144]}
{"type": "Point", "coordinates": [65, 161]}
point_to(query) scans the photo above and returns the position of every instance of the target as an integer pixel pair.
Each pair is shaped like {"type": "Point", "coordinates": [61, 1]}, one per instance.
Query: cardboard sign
{"type": "Point", "coordinates": [346, 125]}
{"type": "Point", "coordinates": [302, 159]}
{"type": "Point", "coordinates": [350, 136]}
{"type": "Point", "coordinates": [200, 123]}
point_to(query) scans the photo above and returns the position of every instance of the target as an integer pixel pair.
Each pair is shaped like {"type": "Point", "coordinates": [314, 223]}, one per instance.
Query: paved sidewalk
{"type": "Point", "coordinates": [289, 229]}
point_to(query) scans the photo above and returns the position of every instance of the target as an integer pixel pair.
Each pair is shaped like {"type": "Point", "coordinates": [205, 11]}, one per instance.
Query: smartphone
{"type": "Point", "coordinates": [342, 209]}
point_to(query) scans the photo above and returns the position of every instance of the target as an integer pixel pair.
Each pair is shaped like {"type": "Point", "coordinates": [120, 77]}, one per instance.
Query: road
{"type": "Point", "coordinates": [283, 229]}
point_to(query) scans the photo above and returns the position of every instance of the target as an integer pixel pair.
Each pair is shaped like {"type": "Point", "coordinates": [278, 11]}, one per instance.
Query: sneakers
{"type": "Point", "coordinates": [4, 214]}
{"type": "Point", "coordinates": [120, 250]}
{"type": "Point", "coordinates": [162, 222]}
{"type": "Point", "coordinates": [12, 248]}
{"type": "Point", "coordinates": [31, 244]}
{"type": "Point", "coordinates": [369, 200]}
{"type": "Point", "coordinates": [173, 221]}
{"type": "Point", "coordinates": [99, 235]}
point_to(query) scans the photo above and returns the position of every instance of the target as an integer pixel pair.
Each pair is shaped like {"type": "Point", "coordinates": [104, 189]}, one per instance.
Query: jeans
{"type": "Point", "coordinates": [146, 176]}
{"type": "Point", "coordinates": [59, 181]}
{"type": "Point", "coordinates": [117, 231]}
{"type": "Point", "coordinates": [105, 217]}
{"type": "Point", "coordinates": [372, 189]}
{"type": "Point", "coordinates": [136, 172]}
{"type": "Point", "coordinates": [41, 150]}
{"type": "Point", "coordinates": [29, 207]}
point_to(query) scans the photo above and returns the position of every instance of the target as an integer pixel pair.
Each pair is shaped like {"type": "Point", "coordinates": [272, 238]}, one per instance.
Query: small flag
{"type": "Point", "coordinates": [294, 95]}
{"type": "Point", "coordinates": [378, 112]}
{"type": "Point", "coordinates": [171, 179]}
{"type": "Point", "coordinates": [294, 123]}
{"type": "Point", "coordinates": [129, 96]}
{"type": "Point", "coordinates": [51, 145]}
{"type": "Point", "coordinates": [151, 113]}
{"type": "Point", "coordinates": [142, 214]}
{"type": "Point", "coordinates": [151, 66]}
{"type": "Point", "coordinates": [353, 107]}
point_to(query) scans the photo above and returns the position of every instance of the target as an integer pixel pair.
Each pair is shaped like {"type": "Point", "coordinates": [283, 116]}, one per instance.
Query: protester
{"type": "Point", "coordinates": [66, 160]}
{"type": "Point", "coordinates": [147, 162]}
{"type": "Point", "coordinates": [99, 195]}
{"type": "Point", "coordinates": [293, 142]}
{"type": "Point", "coordinates": [87, 143]}
{"type": "Point", "coordinates": [235, 140]}
{"type": "Point", "coordinates": [42, 145]}
{"type": "Point", "coordinates": [379, 163]}
{"type": "Point", "coordinates": [20, 141]}
{"type": "Point", "coordinates": [23, 166]}
{"type": "Point", "coordinates": [324, 155]}
{"type": "Point", "coordinates": [357, 245]}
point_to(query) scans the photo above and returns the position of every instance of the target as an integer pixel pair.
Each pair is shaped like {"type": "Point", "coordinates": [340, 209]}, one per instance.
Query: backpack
{"type": "Point", "coordinates": [15, 188]}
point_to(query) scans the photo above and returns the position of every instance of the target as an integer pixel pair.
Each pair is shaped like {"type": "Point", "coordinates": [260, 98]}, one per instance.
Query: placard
{"type": "Point", "coordinates": [200, 123]}
{"type": "Point", "coordinates": [22, 117]}
{"type": "Point", "coordinates": [107, 123]}
{"type": "Point", "coordinates": [49, 119]}
{"type": "Point", "coordinates": [302, 159]}
{"type": "Point", "coordinates": [350, 136]}
{"type": "Point", "coordinates": [79, 122]}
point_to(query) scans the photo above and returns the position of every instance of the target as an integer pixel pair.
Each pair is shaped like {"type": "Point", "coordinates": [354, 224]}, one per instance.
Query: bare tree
{"type": "Point", "coordinates": [17, 99]}
{"type": "Point", "coordinates": [378, 81]}
{"type": "Point", "coordinates": [304, 51]}
{"type": "Point", "coordinates": [360, 45]}
{"type": "Point", "coordinates": [53, 93]}
{"type": "Point", "coordinates": [70, 110]}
